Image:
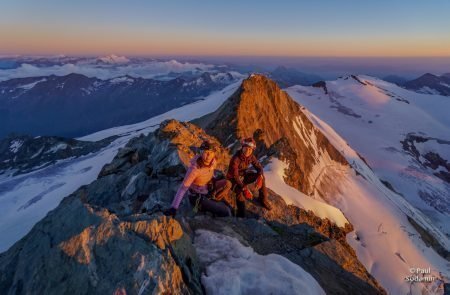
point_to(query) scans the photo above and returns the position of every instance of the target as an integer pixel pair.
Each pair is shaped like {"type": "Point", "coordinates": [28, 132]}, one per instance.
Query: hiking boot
{"type": "Point", "coordinates": [240, 209]}
{"type": "Point", "coordinates": [266, 204]}
{"type": "Point", "coordinates": [170, 212]}
{"type": "Point", "coordinates": [264, 200]}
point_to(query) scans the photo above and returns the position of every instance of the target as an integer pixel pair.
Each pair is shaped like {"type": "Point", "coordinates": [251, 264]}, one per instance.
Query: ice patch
{"type": "Point", "coordinates": [232, 268]}
{"type": "Point", "coordinates": [31, 85]}
{"type": "Point", "coordinates": [37, 153]}
{"type": "Point", "coordinates": [15, 145]}
{"type": "Point", "coordinates": [59, 146]}
{"type": "Point", "coordinates": [428, 90]}
{"type": "Point", "coordinates": [121, 80]}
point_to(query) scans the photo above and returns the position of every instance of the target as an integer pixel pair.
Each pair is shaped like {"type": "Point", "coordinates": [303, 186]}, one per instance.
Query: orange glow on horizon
{"type": "Point", "coordinates": [102, 41]}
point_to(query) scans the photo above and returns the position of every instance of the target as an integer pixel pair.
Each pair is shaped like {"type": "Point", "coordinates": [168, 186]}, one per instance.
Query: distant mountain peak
{"type": "Point", "coordinates": [74, 76]}
{"type": "Point", "coordinates": [430, 84]}
{"type": "Point", "coordinates": [428, 75]}
{"type": "Point", "coordinates": [113, 59]}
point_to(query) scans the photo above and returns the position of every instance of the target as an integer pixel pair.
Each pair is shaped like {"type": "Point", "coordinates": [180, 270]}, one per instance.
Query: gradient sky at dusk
{"type": "Point", "coordinates": [256, 28]}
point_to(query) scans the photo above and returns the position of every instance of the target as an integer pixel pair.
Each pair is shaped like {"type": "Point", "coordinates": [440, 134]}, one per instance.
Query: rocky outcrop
{"type": "Point", "coordinates": [321, 84]}
{"type": "Point", "coordinates": [259, 107]}
{"type": "Point", "coordinates": [105, 237]}
{"type": "Point", "coordinates": [110, 235]}
{"type": "Point", "coordinates": [82, 249]}
{"type": "Point", "coordinates": [430, 159]}
{"type": "Point", "coordinates": [144, 174]}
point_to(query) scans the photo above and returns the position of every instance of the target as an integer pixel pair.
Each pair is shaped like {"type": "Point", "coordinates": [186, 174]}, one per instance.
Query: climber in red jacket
{"type": "Point", "coordinates": [239, 176]}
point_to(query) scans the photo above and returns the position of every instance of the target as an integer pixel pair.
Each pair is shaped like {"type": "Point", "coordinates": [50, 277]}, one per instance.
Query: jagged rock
{"type": "Point", "coordinates": [81, 249]}
{"type": "Point", "coordinates": [186, 138]}
{"type": "Point", "coordinates": [321, 84]}
{"type": "Point", "coordinates": [432, 160]}
{"type": "Point", "coordinates": [429, 239]}
{"type": "Point", "coordinates": [260, 106]}
{"type": "Point", "coordinates": [120, 163]}
{"type": "Point", "coordinates": [149, 182]}
{"type": "Point", "coordinates": [134, 152]}
{"type": "Point", "coordinates": [143, 249]}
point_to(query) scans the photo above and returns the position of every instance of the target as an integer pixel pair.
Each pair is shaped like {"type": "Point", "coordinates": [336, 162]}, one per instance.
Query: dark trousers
{"type": "Point", "coordinates": [205, 204]}
{"type": "Point", "coordinates": [248, 178]}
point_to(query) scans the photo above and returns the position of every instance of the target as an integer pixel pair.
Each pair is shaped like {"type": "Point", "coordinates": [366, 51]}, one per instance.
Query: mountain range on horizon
{"type": "Point", "coordinates": [88, 104]}
{"type": "Point", "coordinates": [75, 105]}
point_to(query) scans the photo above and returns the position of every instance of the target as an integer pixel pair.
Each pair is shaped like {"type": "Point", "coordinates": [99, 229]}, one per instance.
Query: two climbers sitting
{"type": "Point", "coordinates": [203, 189]}
{"type": "Point", "coordinates": [207, 194]}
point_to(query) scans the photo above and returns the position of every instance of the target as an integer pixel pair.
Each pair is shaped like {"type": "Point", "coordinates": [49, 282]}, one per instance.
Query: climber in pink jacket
{"type": "Point", "coordinates": [205, 193]}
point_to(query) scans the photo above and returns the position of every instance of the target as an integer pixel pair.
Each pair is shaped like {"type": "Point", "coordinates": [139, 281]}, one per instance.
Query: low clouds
{"type": "Point", "coordinates": [98, 68]}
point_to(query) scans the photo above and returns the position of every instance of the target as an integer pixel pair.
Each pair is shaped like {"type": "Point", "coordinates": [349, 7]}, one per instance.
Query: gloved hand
{"type": "Point", "coordinates": [259, 182]}
{"type": "Point", "coordinates": [170, 212]}
{"type": "Point", "coordinates": [247, 194]}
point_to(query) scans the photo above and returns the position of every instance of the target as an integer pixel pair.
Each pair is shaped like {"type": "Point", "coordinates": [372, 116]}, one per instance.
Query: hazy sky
{"type": "Point", "coordinates": [256, 28]}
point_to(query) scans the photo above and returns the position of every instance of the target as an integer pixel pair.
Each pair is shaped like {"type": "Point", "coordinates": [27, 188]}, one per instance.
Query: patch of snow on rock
{"type": "Point", "coordinates": [232, 268]}
{"type": "Point", "coordinates": [15, 145]}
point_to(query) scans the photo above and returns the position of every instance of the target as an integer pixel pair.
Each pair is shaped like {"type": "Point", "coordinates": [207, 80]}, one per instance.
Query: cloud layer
{"type": "Point", "coordinates": [91, 68]}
